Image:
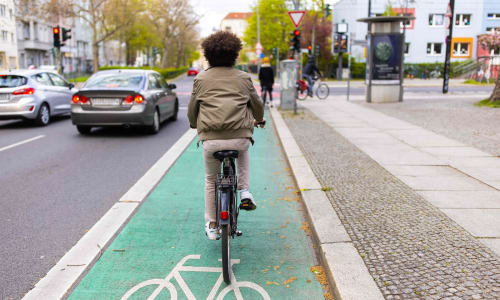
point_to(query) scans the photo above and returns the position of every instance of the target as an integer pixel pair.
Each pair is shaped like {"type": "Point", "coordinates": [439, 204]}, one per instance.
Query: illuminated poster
{"type": "Point", "coordinates": [387, 55]}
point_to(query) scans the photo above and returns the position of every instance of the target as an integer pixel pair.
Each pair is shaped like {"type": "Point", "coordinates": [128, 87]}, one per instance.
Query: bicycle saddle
{"type": "Point", "coordinates": [220, 155]}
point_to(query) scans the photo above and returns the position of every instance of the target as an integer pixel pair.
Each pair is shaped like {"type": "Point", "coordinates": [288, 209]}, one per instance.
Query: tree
{"type": "Point", "coordinates": [105, 17]}
{"type": "Point", "coordinates": [275, 26]}
{"type": "Point", "coordinates": [492, 43]}
{"type": "Point", "coordinates": [173, 19]}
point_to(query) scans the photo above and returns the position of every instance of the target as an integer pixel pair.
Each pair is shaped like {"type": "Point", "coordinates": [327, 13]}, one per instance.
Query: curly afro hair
{"type": "Point", "coordinates": [221, 49]}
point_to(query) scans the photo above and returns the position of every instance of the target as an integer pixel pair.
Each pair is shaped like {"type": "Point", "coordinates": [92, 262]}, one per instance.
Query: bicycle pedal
{"type": "Point", "coordinates": [239, 233]}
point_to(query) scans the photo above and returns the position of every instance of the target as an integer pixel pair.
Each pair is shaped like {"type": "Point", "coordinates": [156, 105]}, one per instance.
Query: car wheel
{"type": "Point", "coordinates": [83, 129]}
{"type": "Point", "coordinates": [176, 110]}
{"type": "Point", "coordinates": [155, 127]}
{"type": "Point", "coordinates": [43, 117]}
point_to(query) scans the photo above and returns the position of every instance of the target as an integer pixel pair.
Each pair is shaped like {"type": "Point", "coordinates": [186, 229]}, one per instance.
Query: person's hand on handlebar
{"type": "Point", "coordinates": [260, 124]}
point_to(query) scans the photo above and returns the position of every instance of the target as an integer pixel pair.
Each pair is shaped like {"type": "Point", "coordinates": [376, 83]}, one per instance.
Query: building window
{"type": "Point", "coordinates": [492, 29]}
{"type": "Point", "coordinates": [463, 20]}
{"type": "Point", "coordinates": [434, 48]}
{"type": "Point", "coordinates": [11, 14]}
{"type": "Point", "coordinates": [26, 30]}
{"type": "Point", "coordinates": [407, 48]}
{"type": "Point", "coordinates": [2, 10]}
{"type": "Point", "coordinates": [436, 19]}
{"type": "Point", "coordinates": [4, 35]}
{"type": "Point", "coordinates": [12, 38]}
{"type": "Point", "coordinates": [494, 16]}
{"type": "Point", "coordinates": [228, 28]}
{"type": "Point", "coordinates": [495, 51]}
{"type": "Point", "coordinates": [461, 49]}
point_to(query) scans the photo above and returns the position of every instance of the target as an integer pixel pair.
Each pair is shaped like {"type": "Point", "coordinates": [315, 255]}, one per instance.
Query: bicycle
{"type": "Point", "coordinates": [165, 283]}
{"type": "Point", "coordinates": [322, 89]}
{"type": "Point", "coordinates": [226, 198]}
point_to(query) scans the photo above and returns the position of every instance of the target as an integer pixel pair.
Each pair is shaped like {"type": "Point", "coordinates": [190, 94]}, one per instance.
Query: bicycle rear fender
{"type": "Point", "coordinates": [224, 206]}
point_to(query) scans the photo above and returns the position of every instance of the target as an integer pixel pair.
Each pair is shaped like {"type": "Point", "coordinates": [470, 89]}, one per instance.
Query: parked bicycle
{"type": "Point", "coordinates": [322, 89]}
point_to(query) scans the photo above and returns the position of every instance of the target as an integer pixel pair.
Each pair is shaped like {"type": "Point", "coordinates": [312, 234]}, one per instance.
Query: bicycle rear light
{"type": "Point", "coordinates": [224, 215]}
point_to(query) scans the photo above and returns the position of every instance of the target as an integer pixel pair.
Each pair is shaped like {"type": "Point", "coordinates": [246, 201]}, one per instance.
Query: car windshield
{"type": "Point", "coordinates": [115, 80]}
{"type": "Point", "coordinates": [10, 81]}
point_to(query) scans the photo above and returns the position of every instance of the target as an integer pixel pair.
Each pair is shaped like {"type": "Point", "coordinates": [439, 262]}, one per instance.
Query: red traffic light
{"type": "Point", "coordinates": [296, 32]}
{"type": "Point", "coordinates": [56, 30]}
{"type": "Point", "coordinates": [309, 47]}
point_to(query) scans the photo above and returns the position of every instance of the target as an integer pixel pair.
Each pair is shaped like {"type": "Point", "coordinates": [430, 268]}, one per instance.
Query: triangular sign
{"type": "Point", "coordinates": [296, 16]}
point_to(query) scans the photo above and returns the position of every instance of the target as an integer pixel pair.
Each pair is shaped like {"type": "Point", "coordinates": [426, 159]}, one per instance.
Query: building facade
{"type": "Point", "coordinates": [236, 22]}
{"type": "Point", "coordinates": [8, 35]}
{"type": "Point", "coordinates": [426, 34]}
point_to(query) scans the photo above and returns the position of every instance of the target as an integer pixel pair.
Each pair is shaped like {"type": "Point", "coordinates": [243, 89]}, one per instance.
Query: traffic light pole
{"type": "Point", "coordinates": [446, 75]}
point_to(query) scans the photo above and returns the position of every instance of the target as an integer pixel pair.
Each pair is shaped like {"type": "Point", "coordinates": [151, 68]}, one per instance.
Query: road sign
{"type": "Point", "coordinates": [296, 16]}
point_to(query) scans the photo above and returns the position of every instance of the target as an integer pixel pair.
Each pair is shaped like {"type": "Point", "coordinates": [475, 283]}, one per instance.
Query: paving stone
{"type": "Point", "coordinates": [403, 239]}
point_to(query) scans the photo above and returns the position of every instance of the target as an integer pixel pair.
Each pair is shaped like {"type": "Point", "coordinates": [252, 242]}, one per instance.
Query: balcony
{"type": "Point", "coordinates": [34, 45]}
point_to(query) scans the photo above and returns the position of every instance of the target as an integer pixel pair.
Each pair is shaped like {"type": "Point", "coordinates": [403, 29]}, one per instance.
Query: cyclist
{"type": "Point", "coordinates": [308, 72]}
{"type": "Point", "coordinates": [224, 108]}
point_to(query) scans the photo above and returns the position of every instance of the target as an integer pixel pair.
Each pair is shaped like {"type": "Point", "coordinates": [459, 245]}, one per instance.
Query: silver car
{"type": "Point", "coordinates": [34, 95]}
{"type": "Point", "coordinates": [124, 98]}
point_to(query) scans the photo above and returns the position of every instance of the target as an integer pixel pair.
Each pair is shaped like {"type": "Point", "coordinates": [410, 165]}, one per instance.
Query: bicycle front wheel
{"type": "Point", "coordinates": [226, 252]}
{"type": "Point", "coordinates": [322, 91]}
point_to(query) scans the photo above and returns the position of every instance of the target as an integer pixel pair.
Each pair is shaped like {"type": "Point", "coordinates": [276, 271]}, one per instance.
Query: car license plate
{"type": "Point", "coordinates": [105, 101]}
{"type": "Point", "coordinates": [4, 98]}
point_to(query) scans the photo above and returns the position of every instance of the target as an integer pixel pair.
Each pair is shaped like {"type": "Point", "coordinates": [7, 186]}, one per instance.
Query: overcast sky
{"type": "Point", "coordinates": [213, 11]}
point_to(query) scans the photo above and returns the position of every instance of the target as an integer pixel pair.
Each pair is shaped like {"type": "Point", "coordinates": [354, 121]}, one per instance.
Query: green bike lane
{"type": "Point", "coordinates": [275, 252]}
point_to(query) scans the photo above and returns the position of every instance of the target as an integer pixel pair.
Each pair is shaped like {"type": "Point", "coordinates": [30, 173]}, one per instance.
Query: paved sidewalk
{"type": "Point", "coordinates": [422, 210]}
{"type": "Point", "coordinates": [275, 251]}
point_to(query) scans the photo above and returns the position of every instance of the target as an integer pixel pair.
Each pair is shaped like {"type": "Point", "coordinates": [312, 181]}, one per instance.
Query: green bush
{"type": "Point", "coordinates": [168, 73]}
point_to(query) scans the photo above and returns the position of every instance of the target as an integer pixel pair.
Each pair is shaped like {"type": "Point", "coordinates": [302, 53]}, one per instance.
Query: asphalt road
{"type": "Point", "coordinates": [53, 189]}
{"type": "Point", "coordinates": [336, 90]}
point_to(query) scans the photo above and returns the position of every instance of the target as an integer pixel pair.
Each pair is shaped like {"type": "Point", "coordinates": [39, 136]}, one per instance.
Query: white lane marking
{"type": "Point", "coordinates": [21, 143]}
{"type": "Point", "coordinates": [67, 272]}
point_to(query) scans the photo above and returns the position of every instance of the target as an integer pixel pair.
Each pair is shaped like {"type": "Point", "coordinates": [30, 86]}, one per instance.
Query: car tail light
{"type": "Point", "coordinates": [80, 98]}
{"type": "Point", "coordinates": [138, 98]}
{"type": "Point", "coordinates": [26, 91]}
{"type": "Point", "coordinates": [224, 215]}
{"type": "Point", "coordinates": [129, 99]}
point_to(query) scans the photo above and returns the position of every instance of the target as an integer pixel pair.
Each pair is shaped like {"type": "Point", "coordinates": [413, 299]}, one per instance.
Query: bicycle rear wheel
{"type": "Point", "coordinates": [226, 252]}
{"type": "Point", "coordinates": [301, 94]}
{"type": "Point", "coordinates": [322, 91]}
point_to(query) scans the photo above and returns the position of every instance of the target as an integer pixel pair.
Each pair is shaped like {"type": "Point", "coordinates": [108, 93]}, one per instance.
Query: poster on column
{"type": "Point", "coordinates": [387, 59]}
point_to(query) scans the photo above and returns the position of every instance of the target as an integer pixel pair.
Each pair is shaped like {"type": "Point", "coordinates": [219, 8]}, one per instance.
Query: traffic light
{"type": "Point", "coordinates": [65, 34]}
{"type": "Point", "coordinates": [275, 52]}
{"type": "Point", "coordinates": [309, 49]}
{"type": "Point", "coordinates": [316, 50]}
{"type": "Point", "coordinates": [57, 36]}
{"type": "Point", "coordinates": [296, 40]}
{"type": "Point", "coordinates": [328, 10]}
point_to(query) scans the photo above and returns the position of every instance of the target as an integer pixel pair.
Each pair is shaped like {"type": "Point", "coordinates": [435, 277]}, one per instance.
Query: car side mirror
{"type": "Point", "coordinates": [172, 86]}
{"type": "Point", "coordinates": [71, 85]}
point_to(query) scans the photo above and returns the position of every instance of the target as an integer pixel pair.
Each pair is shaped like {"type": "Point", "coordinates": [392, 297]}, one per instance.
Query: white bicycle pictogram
{"type": "Point", "coordinates": [175, 273]}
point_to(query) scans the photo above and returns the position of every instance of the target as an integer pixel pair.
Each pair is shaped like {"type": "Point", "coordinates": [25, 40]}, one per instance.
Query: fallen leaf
{"type": "Point", "coordinates": [283, 237]}
{"type": "Point", "coordinates": [276, 268]}
{"type": "Point", "coordinates": [308, 281]}
{"type": "Point", "coordinates": [272, 282]}
{"type": "Point", "coordinates": [326, 189]}
{"type": "Point", "coordinates": [320, 274]}
{"type": "Point", "coordinates": [265, 270]}
{"type": "Point", "coordinates": [119, 250]}
{"type": "Point", "coordinates": [290, 280]}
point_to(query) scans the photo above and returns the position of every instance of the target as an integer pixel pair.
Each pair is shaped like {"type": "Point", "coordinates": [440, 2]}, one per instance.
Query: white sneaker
{"type": "Point", "coordinates": [212, 233]}
{"type": "Point", "coordinates": [247, 201]}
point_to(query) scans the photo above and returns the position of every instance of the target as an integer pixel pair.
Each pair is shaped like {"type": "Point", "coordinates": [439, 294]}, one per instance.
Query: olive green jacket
{"type": "Point", "coordinates": [224, 104]}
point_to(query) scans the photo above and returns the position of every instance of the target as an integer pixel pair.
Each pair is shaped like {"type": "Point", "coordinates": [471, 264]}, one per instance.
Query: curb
{"type": "Point", "coordinates": [74, 265]}
{"type": "Point", "coordinates": [346, 270]}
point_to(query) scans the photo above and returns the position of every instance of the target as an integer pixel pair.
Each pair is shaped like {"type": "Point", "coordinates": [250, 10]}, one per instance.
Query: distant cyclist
{"type": "Point", "coordinates": [308, 72]}
{"type": "Point", "coordinates": [224, 108]}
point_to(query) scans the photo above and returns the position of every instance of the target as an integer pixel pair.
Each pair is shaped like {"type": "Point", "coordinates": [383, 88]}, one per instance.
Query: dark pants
{"type": "Point", "coordinates": [309, 83]}
{"type": "Point", "coordinates": [266, 90]}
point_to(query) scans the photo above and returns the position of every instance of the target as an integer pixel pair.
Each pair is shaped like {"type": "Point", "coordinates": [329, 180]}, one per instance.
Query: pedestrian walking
{"type": "Point", "coordinates": [266, 78]}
